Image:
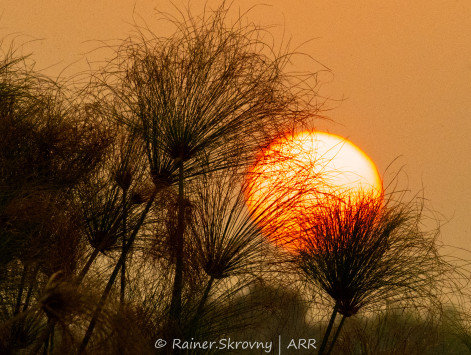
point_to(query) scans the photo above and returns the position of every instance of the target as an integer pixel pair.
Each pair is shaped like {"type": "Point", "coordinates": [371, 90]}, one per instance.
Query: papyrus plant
{"type": "Point", "coordinates": [363, 251]}
{"type": "Point", "coordinates": [202, 100]}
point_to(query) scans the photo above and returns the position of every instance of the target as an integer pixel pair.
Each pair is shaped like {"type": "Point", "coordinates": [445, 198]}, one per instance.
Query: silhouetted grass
{"type": "Point", "coordinates": [201, 100]}
{"type": "Point", "coordinates": [406, 331]}
{"type": "Point", "coordinates": [365, 251]}
{"type": "Point", "coordinates": [142, 177]}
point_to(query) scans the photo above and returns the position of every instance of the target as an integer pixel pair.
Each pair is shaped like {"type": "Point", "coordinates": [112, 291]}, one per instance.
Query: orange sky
{"type": "Point", "coordinates": [402, 67]}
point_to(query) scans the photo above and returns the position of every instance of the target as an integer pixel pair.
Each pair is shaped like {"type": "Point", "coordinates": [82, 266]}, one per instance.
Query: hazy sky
{"type": "Point", "coordinates": [403, 69]}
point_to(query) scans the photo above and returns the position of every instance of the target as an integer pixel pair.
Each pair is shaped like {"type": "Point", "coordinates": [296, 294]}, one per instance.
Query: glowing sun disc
{"type": "Point", "coordinates": [309, 168]}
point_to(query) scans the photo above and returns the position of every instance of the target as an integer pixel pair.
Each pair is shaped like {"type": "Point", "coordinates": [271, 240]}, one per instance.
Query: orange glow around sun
{"type": "Point", "coordinates": [298, 173]}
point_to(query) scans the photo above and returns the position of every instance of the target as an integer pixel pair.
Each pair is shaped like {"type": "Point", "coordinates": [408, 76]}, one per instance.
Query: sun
{"type": "Point", "coordinates": [298, 173]}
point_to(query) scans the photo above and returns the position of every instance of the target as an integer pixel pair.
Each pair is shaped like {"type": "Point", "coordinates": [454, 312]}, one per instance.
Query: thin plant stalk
{"type": "Point", "coordinates": [50, 344]}
{"type": "Point", "coordinates": [44, 339]}
{"type": "Point", "coordinates": [199, 311]}
{"type": "Point", "coordinates": [123, 250]}
{"type": "Point", "coordinates": [113, 276]}
{"type": "Point", "coordinates": [30, 288]}
{"type": "Point", "coordinates": [336, 335]}
{"type": "Point", "coordinates": [19, 297]}
{"type": "Point", "coordinates": [89, 263]}
{"type": "Point", "coordinates": [176, 303]}
{"type": "Point", "coordinates": [99, 247]}
{"type": "Point", "coordinates": [329, 329]}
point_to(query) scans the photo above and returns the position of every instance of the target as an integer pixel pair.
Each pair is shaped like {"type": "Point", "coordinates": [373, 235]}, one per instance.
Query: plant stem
{"type": "Point", "coordinates": [44, 338]}
{"type": "Point", "coordinates": [113, 276]}
{"type": "Point", "coordinates": [93, 256]}
{"type": "Point", "coordinates": [20, 290]}
{"type": "Point", "coordinates": [328, 330]}
{"type": "Point", "coordinates": [336, 335]}
{"type": "Point", "coordinates": [123, 250]}
{"type": "Point", "coordinates": [30, 288]}
{"type": "Point", "coordinates": [49, 346]}
{"type": "Point", "coordinates": [90, 261]}
{"type": "Point", "coordinates": [199, 311]}
{"type": "Point", "coordinates": [176, 303]}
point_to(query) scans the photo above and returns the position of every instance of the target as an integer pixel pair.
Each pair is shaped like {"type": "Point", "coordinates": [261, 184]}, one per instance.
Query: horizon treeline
{"type": "Point", "coordinates": [124, 225]}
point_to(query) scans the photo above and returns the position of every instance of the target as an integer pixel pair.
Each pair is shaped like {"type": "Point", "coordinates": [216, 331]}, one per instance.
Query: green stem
{"type": "Point", "coordinates": [328, 330]}
{"type": "Point", "coordinates": [113, 276]}
{"type": "Point", "coordinates": [336, 335]}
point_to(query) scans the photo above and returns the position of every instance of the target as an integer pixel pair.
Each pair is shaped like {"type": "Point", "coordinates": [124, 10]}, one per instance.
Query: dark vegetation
{"type": "Point", "coordinates": [123, 216]}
